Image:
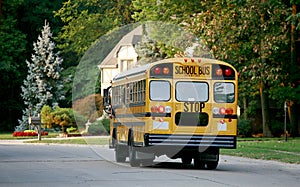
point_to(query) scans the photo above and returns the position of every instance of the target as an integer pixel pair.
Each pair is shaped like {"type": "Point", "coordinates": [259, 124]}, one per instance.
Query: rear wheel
{"type": "Point", "coordinates": [212, 164]}
{"type": "Point", "coordinates": [134, 162]}
{"type": "Point", "coordinates": [198, 163]}
{"type": "Point", "coordinates": [120, 153]}
{"type": "Point", "coordinates": [186, 160]}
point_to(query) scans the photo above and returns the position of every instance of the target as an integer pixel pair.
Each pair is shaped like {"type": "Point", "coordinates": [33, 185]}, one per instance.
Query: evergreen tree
{"type": "Point", "coordinates": [43, 83]}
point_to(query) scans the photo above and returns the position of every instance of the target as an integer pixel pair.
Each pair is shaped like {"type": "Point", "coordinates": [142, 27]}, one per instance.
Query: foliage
{"type": "Point", "coordinates": [47, 116]}
{"type": "Point", "coordinates": [63, 117]}
{"type": "Point", "coordinates": [12, 47]}
{"type": "Point", "coordinates": [87, 20]}
{"type": "Point", "coordinates": [43, 83]}
{"type": "Point", "coordinates": [99, 127]}
{"type": "Point", "coordinates": [71, 129]}
{"type": "Point", "coordinates": [28, 133]}
{"type": "Point", "coordinates": [277, 128]}
{"type": "Point", "coordinates": [90, 107]}
{"type": "Point", "coordinates": [244, 128]}
{"type": "Point", "coordinates": [87, 79]}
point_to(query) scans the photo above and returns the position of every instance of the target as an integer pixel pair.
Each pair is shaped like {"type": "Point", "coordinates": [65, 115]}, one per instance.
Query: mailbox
{"type": "Point", "coordinates": [37, 122]}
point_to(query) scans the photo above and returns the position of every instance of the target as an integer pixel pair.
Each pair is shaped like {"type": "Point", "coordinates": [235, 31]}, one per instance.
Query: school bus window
{"type": "Point", "coordinates": [160, 90]}
{"type": "Point", "coordinates": [143, 82]}
{"type": "Point", "coordinates": [118, 96]}
{"type": "Point", "coordinates": [197, 91]}
{"type": "Point", "coordinates": [224, 92]}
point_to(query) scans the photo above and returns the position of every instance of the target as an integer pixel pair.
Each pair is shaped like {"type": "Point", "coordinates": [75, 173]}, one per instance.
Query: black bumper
{"type": "Point", "coordinates": [192, 141]}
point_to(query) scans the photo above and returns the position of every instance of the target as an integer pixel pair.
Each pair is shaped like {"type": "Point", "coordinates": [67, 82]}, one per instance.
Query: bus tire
{"type": "Point", "coordinates": [198, 163]}
{"type": "Point", "coordinates": [120, 153]}
{"type": "Point", "coordinates": [186, 160]}
{"type": "Point", "coordinates": [134, 162]}
{"type": "Point", "coordinates": [212, 165]}
{"type": "Point", "coordinates": [114, 137]}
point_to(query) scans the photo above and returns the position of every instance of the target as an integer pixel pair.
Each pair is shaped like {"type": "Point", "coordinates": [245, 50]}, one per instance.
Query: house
{"type": "Point", "coordinates": [121, 58]}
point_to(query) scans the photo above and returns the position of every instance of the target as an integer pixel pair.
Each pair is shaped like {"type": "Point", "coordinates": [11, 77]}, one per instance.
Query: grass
{"type": "Point", "coordinates": [257, 148]}
{"type": "Point", "coordinates": [9, 136]}
{"type": "Point", "coordinates": [79, 140]}
{"type": "Point", "coordinates": [267, 149]}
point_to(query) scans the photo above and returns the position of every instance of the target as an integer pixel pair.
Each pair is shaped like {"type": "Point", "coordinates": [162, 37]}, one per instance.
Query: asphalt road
{"type": "Point", "coordinates": [74, 165]}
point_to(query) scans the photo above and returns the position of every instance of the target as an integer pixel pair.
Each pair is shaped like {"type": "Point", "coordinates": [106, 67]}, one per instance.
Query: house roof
{"type": "Point", "coordinates": [131, 38]}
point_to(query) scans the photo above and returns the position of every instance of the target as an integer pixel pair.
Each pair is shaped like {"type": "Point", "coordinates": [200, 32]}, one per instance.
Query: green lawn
{"type": "Point", "coordinates": [258, 148]}
{"type": "Point", "coordinates": [80, 140]}
{"type": "Point", "coordinates": [9, 136]}
{"type": "Point", "coordinates": [267, 149]}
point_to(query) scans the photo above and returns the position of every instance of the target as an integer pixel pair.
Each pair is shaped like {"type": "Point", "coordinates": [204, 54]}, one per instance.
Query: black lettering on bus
{"type": "Point", "coordinates": [207, 70]}
{"type": "Point", "coordinates": [193, 106]}
{"type": "Point", "coordinates": [186, 107]}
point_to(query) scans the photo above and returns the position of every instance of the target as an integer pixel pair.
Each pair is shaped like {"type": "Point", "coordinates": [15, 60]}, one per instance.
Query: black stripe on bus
{"type": "Point", "coordinates": [234, 116]}
{"type": "Point", "coordinates": [129, 124]}
{"type": "Point", "coordinates": [129, 105]}
{"type": "Point", "coordinates": [143, 114]}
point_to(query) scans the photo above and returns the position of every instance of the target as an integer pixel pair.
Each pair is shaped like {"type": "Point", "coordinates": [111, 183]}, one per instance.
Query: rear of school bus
{"type": "Point", "coordinates": [192, 110]}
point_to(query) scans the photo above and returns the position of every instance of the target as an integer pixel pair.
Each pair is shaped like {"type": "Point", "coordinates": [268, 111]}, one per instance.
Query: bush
{"type": "Point", "coordinates": [99, 127]}
{"type": "Point", "coordinates": [277, 128]}
{"type": "Point", "coordinates": [71, 129]}
{"type": "Point", "coordinates": [244, 128]}
{"type": "Point", "coordinates": [29, 133]}
{"type": "Point", "coordinates": [63, 117]}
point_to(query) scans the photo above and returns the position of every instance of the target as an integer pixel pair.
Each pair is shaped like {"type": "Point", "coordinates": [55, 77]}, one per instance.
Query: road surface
{"type": "Point", "coordinates": [80, 165]}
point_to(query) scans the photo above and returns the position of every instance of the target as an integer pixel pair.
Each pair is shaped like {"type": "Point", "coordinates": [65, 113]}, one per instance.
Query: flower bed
{"type": "Point", "coordinates": [29, 133]}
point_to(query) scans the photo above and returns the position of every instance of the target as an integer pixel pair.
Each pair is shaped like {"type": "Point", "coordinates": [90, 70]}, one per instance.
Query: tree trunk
{"type": "Point", "coordinates": [293, 106]}
{"type": "Point", "coordinates": [265, 110]}
{"type": "Point", "coordinates": [245, 107]}
{"type": "Point", "coordinates": [264, 99]}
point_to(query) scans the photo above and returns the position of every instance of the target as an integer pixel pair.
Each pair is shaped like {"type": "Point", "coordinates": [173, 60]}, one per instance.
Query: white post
{"type": "Point", "coordinates": [285, 107]}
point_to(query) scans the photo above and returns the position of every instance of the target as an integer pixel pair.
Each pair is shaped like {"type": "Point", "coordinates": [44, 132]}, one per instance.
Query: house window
{"type": "Point", "coordinates": [126, 65]}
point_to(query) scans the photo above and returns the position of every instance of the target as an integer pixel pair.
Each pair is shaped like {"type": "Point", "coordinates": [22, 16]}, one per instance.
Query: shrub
{"type": "Point", "coordinates": [277, 128]}
{"type": "Point", "coordinates": [244, 128]}
{"type": "Point", "coordinates": [63, 117]}
{"type": "Point", "coordinates": [71, 129]}
{"type": "Point", "coordinates": [90, 107]}
{"type": "Point", "coordinates": [99, 127]}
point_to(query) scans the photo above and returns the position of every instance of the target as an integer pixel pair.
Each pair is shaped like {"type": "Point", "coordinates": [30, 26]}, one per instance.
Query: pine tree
{"type": "Point", "coordinates": [43, 84]}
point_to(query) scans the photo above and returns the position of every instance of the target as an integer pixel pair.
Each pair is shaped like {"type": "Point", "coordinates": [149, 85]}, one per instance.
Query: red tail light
{"type": "Point", "coordinates": [154, 109]}
{"type": "Point", "coordinates": [157, 70]}
{"type": "Point", "coordinates": [229, 111]}
{"type": "Point", "coordinates": [161, 109]}
{"type": "Point", "coordinates": [227, 72]}
{"type": "Point", "coordinates": [222, 110]}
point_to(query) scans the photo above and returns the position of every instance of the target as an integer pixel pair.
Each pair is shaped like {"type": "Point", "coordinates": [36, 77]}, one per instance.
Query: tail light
{"type": "Point", "coordinates": [223, 111]}
{"type": "Point", "coordinates": [157, 70]}
{"type": "Point", "coordinates": [223, 72]}
{"type": "Point", "coordinates": [161, 109]}
{"type": "Point", "coordinates": [154, 109]}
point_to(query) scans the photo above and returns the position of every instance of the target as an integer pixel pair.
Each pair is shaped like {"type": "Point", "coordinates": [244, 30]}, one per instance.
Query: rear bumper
{"type": "Point", "coordinates": [190, 141]}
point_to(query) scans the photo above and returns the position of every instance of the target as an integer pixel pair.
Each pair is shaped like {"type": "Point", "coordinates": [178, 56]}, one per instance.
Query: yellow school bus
{"type": "Point", "coordinates": [180, 107]}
